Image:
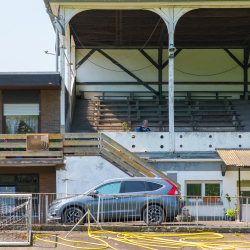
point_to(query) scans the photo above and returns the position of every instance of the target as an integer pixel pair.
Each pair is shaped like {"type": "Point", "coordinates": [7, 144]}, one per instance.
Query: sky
{"type": "Point", "coordinates": [25, 33]}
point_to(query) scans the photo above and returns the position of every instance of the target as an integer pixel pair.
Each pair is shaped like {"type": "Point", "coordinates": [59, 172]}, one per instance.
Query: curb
{"type": "Point", "coordinates": [173, 229]}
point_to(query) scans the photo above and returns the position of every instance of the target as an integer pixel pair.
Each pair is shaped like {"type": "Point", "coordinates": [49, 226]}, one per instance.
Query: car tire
{"type": "Point", "coordinates": [155, 215]}
{"type": "Point", "coordinates": [72, 215]}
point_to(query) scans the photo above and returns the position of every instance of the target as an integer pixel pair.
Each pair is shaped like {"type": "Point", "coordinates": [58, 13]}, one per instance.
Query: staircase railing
{"type": "Point", "coordinates": [99, 143]}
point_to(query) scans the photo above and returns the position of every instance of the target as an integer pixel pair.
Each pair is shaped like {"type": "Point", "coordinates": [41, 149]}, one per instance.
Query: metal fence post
{"type": "Point", "coordinates": [30, 218]}
{"type": "Point", "coordinates": [147, 210]}
{"type": "Point", "coordinates": [46, 208]}
{"type": "Point", "coordinates": [102, 209]}
{"type": "Point", "coordinates": [247, 212]}
{"type": "Point", "coordinates": [98, 209]}
{"type": "Point", "coordinates": [39, 208]}
{"type": "Point", "coordinates": [197, 220]}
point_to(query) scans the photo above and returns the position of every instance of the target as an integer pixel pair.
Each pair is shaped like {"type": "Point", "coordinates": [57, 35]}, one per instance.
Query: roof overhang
{"type": "Point", "coordinates": [30, 81]}
{"type": "Point", "coordinates": [146, 3]}
{"type": "Point", "coordinates": [235, 157]}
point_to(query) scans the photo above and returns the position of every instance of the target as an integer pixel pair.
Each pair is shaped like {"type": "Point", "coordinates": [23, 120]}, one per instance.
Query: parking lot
{"type": "Point", "coordinates": [238, 238]}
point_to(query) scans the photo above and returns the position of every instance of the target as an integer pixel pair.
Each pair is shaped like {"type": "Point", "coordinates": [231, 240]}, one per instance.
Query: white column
{"type": "Point", "coordinates": [170, 16]}
{"type": "Point", "coordinates": [171, 80]}
{"type": "Point", "coordinates": [57, 50]}
{"type": "Point", "coordinates": [62, 72]}
{"type": "Point", "coordinates": [68, 39]}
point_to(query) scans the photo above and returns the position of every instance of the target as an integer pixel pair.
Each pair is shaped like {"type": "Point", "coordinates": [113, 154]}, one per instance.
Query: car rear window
{"type": "Point", "coordinates": [134, 186]}
{"type": "Point", "coordinates": [153, 186]}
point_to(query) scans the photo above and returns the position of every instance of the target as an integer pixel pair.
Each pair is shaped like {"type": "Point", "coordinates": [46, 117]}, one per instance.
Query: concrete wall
{"type": "Point", "coordinates": [84, 172]}
{"type": "Point", "coordinates": [200, 141]}
{"type": "Point", "coordinates": [193, 61]}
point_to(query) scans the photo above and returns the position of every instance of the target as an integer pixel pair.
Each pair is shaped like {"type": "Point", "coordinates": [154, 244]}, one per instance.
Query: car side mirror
{"type": "Point", "coordinates": [93, 193]}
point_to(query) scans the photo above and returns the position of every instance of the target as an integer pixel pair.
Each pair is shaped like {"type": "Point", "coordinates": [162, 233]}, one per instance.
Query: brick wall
{"type": "Point", "coordinates": [47, 176]}
{"type": "Point", "coordinates": [50, 111]}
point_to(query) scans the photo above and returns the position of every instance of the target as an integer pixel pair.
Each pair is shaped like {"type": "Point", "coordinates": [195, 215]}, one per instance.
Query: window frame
{"type": "Point", "coordinates": [203, 183]}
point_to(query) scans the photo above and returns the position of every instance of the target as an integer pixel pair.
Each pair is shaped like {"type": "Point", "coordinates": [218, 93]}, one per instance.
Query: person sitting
{"type": "Point", "coordinates": [144, 127]}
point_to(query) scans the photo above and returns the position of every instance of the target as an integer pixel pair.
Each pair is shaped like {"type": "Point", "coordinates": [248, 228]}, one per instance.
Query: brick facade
{"type": "Point", "coordinates": [47, 176]}
{"type": "Point", "coordinates": [50, 111]}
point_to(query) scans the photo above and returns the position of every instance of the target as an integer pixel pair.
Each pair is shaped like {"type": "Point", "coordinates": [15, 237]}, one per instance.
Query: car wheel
{"type": "Point", "coordinates": [155, 215]}
{"type": "Point", "coordinates": [72, 215]}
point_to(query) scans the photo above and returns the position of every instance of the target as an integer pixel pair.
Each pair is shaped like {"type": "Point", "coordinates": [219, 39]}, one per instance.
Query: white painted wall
{"type": "Point", "coordinates": [84, 172]}
{"type": "Point", "coordinates": [228, 186]}
{"type": "Point", "coordinates": [199, 141]}
{"type": "Point", "coordinates": [195, 61]}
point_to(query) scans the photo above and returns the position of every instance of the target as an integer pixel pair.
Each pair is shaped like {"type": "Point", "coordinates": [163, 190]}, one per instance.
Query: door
{"type": "Point", "coordinates": [245, 206]}
{"type": "Point", "coordinates": [108, 199]}
{"type": "Point", "coordinates": [133, 198]}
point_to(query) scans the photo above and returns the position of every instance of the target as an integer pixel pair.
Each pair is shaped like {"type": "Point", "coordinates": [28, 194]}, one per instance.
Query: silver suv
{"type": "Point", "coordinates": [153, 200]}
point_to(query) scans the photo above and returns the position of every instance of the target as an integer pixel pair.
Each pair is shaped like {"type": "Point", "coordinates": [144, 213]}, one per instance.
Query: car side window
{"type": "Point", "coordinates": [133, 186]}
{"type": "Point", "coordinates": [109, 188]}
{"type": "Point", "coordinates": [153, 186]}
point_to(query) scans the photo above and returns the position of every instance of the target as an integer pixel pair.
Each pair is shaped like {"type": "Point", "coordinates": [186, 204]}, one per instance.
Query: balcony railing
{"type": "Point", "coordinates": [14, 145]}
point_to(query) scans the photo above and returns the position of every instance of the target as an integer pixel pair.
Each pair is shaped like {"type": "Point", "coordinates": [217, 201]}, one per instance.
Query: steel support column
{"type": "Point", "coordinates": [246, 58]}
{"type": "Point", "coordinates": [62, 71]}
{"type": "Point", "coordinates": [57, 50]}
{"type": "Point", "coordinates": [160, 52]}
{"type": "Point", "coordinates": [170, 16]}
{"type": "Point", "coordinates": [171, 80]}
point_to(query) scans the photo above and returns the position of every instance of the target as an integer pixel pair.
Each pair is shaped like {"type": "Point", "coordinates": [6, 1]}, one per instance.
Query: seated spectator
{"type": "Point", "coordinates": [144, 127]}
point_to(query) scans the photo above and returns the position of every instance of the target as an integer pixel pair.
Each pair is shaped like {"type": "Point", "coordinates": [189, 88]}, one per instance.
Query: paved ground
{"type": "Point", "coordinates": [83, 236]}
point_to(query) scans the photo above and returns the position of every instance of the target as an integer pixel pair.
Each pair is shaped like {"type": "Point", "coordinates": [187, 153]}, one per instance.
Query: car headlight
{"type": "Point", "coordinates": [56, 202]}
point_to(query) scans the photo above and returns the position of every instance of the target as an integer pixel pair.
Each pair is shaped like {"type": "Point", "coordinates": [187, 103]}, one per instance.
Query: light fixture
{"type": "Point", "coordinates": [57, 24]}
{"type": "Point", "coordinates": [47, 52]}
{"type": "Point", "coordinates": [171, 48]}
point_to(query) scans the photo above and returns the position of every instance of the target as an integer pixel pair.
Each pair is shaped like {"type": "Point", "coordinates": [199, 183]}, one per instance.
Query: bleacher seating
{"type": "Point", "coordinates": [192, 113]}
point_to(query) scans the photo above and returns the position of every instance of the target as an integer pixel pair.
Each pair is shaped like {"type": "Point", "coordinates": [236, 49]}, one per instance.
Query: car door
{"type": "Point", "coordinates": [108, 197]}
{"type": "Point", "coordinates": [132, 199]}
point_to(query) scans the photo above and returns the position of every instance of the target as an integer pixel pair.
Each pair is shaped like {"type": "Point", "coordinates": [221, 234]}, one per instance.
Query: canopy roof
{"type": "Point", "coordinates": [201, 28]}
{"type": "Point", "coordinates": [235, 157]}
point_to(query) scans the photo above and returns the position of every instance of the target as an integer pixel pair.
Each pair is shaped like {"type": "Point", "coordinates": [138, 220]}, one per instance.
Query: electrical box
{"type": "Point", "coordinates": [37, 142]}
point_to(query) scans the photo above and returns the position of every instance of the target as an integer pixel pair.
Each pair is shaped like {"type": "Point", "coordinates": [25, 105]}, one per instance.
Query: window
{"type": "Point", "coordinates": [194, 189]}
{"type": "Point", "coordinates": [153, 186]}
{"type": "Point", "coordinates": [208, 188]}
{"type": "Point", "coordinates": [22, 183]}
{"type": "Point", "coordinates": [134, 186]}
{"type": "Point", "coordinates": [212, 189]}
{"type": "Point", "coordinates": [21, 111]}
{"type": "Point", "coordinates": [110, 188]}
{"type": "Point", "coordinates": [21, 124]}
